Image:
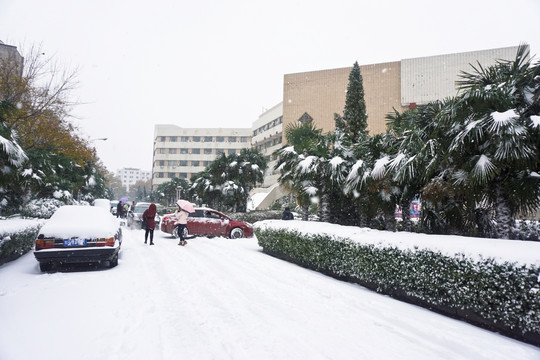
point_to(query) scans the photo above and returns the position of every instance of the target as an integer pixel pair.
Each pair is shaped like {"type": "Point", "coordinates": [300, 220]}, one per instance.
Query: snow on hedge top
{"type": "Point", "coordinates": [81, 221]}
{"type": "Point", "coordinates": [523, 252]}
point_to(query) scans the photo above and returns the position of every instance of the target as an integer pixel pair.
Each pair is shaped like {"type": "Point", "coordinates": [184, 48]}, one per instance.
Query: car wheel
{"type": "Point", "coordinates": [45, 267]}
{"type": "Point", "coordinates": [237, 233]}
{"type": "Point", "coordinates": [175, 232]}
{"type": "Point", "coordinates": [114, 261]}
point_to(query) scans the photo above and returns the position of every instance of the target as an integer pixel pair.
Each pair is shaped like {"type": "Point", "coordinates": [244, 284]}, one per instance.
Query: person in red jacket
{"type": "Point", "coordinates": [148, 219]}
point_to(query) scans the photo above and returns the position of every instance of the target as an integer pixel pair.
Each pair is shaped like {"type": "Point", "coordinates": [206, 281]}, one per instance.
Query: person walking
{"type": "Point", "coordinates": [148, 219]}
{"type": "Point", "coordinates": [181, 216]}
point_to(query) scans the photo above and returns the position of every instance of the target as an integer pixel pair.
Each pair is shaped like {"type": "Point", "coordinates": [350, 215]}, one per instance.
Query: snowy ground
{"type": "Point", "coordinates": [220, 299]}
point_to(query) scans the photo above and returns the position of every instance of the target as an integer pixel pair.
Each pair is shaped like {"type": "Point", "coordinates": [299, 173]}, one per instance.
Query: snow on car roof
{"type": "Point", "coordinates": [80, 221]}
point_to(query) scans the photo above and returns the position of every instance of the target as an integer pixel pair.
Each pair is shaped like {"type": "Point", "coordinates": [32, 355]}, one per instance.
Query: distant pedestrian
{"type": "Point", "coordinates": [287, 214]}
{"type": "Point", "coordinates": [181, 216]}
{"type": "Point", "coordinates": [119, 210]}
{"type": "Point", "coordinates": [148, 219]}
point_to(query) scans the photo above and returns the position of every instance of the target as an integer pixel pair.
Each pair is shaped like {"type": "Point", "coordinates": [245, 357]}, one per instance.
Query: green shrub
{"type": "Point", "coordinates": [503, 296]}
{"type": "Point", "coordinates": [17, 244]}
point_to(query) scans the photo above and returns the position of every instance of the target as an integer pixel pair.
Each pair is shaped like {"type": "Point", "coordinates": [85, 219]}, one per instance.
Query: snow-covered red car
{"type": "Point", "coordinates": [78, 234]}
{"type": "Point", "coordinates": [208, 222]}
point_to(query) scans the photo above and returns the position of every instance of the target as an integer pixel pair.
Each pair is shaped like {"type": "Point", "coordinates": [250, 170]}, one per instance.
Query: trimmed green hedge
{"type": "Point", "coordinates": [501, 297]}
{"type": "Point", "coordinates": [17, 244]}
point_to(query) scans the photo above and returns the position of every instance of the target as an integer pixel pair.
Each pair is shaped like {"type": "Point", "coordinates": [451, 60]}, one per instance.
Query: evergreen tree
{"type": "Point", "coordinates": [354, 114]}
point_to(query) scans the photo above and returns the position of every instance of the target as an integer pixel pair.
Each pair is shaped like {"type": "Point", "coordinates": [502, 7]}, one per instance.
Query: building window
{"type": "Point", "coordinates": [172, 151]}
{"type": "Point", "coordinates": [183, 163]}
{"type": "Point", "coordinates": [196, 139]}
{"type": "Point", "coordinates": [173, 138]}
{"type": "Point", "coordinates": [160, 175]}
{"type": "Point", "coordinates": [232, 139]}
{"type": "Point", "coordinates": [184, 151]}
{"type": "Point", "coordinates": [220, 138]}
{"type": "Point", "coordinates": [172, 162]}
{"type": "Point", "coordinates": [161, 151]}
{"type": "Point", "coordinates": [231, 151]}
{"type": "Point", "coordinates": [170, 175]}
{"type": "Point", "coordinates": [195, 151]}
{"type": "Point", "coordinates": [206, 163]}
{"type": "Point", "coordinates": [219, 151]}
{"type": "Point", "coordinates": [207, 139]}
{"type": "Point", "coordinates": [162, 139]}
{"type": "Point", "coordinates": [161, 162]}
{"type": "Point", "coordinates": [207, 151]}
{"type": "Point", "coordinates": [244, 139]}
{"type": "Point", "coordinates": [254, 132]}
{"type": "Point", "coordinates": [183, 175]}
{"type": "Point", "coordinates": [194, 163]}
{"type": "Point", "coordinates": [184, 138]}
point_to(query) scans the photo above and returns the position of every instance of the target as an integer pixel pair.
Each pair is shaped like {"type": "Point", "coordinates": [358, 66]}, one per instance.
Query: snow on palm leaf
{"type": "Point", "coordinates": [355, 176]}
{"type": "Point", "coordinates": [379, 167]}
{"type": "Point", "coordinates": [14, 153]}
{"type": "Point", "coordinates": [308, 165]}
{"type": "Point", "coordinates": [535, 119]}
{"type": "Point", "coordinates": [483, 169]}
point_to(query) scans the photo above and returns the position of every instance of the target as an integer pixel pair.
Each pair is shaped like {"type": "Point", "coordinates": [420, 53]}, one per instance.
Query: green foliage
{"type": "Point", "coordinates": [506, 294]}
{"type": "Point", "coordinates": [16, 244]}
{"type": "Point", "coordinates": [226, 183]}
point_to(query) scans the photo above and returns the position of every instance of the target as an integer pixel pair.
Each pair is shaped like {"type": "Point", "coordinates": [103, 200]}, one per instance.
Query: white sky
{"type": "Point", "coordinates": [213, 63]}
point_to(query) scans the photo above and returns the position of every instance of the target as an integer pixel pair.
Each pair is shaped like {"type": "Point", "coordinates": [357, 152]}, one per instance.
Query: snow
{"type": "Point", "coordinates": [523, 252]}
{"type": "Point", "coordinates": [75, 220]}
{"type": "Point", "coordinates": [225, 299]}
{"type": "Point", "coordinates": [535, 120]}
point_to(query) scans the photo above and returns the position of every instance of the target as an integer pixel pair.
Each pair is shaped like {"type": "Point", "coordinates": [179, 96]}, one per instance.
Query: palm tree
{"type": "Point", "coordinates": [496, 138]}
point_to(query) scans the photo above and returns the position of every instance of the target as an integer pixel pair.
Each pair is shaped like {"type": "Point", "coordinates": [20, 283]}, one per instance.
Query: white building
{"type": "Point", "coordinates": [130, 176]}
{"type": "Point", "coordinates": [183, 152]}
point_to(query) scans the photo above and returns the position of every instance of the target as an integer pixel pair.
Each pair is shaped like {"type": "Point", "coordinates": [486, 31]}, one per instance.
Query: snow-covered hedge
{"type": "Point", "coordinates": [503, 297]}
{"type": "Point", "coordinates": [18, 241]}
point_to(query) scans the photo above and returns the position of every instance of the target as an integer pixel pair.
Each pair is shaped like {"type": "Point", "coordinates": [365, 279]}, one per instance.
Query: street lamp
{"type": "Point", "coordinates": [102, 139]}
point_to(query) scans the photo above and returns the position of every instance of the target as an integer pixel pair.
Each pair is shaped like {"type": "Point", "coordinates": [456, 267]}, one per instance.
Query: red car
{"type": "Point", "coordinates": [208, 222]}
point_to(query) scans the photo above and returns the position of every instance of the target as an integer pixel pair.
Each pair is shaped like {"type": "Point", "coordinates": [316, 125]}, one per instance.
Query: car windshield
{"type": "Point", "coordinates": [141, 208]}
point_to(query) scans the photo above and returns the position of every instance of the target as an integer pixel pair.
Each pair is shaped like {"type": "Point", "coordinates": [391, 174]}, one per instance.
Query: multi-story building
{"type": "Point", "coordinates": [387, 86]}
{"type": "Point", "coordinates": [183, 152]}
{"type": "Point", "coordinates": [130, 176]}
{"type": "Point", "coordinates": [11, 53]}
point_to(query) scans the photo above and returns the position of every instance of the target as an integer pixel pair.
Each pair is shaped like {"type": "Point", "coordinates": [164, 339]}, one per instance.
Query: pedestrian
{"type": "Point", "coordinates": [148, 219]}
{"type": "Point", "coordinates": [181, 216]}
{"type": "Point", "coordinates": [287, 214]}
{"type": "Point", "coordinates": [119, 209]}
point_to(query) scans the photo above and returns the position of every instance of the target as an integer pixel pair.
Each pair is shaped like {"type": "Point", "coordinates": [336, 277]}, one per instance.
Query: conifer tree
{"type": "Point", "coordinates": [354, 113]}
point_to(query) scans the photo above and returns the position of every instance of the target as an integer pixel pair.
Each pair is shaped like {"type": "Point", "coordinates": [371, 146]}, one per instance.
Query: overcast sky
{"type": "Point", "coordinates": [211, 63]}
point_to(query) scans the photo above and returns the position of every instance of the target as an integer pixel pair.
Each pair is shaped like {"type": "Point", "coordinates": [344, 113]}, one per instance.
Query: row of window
{"type": "Point", "coordinates": [268, 126]}
{"type": "Point", "coordinates": [268, 144]}
{"type": "Point", "coordinates": [196, 151]}
{"type": "Point", "coordinates": [171, 175]}
{"type": "Point", "coordinates": [243, 139]}
{"type": "Point", "coordinates": [182, 163]}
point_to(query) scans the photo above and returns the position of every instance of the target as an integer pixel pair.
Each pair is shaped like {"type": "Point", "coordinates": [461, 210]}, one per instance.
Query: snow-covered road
{"type": "Point", "coordinates": [220, 299]}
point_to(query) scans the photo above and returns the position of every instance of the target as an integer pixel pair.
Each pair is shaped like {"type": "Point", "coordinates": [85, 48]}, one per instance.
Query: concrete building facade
{"type": "Point", "coordinates": [183, 152]}
{"type": "Point", "coordinates": [387, 86]}
{"type": "Point", "coordinates": [130, 176]}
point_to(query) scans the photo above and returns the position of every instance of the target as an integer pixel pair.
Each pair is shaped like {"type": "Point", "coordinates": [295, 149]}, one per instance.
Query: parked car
{"type": "Point", "coordinates": [78, 234]}
{"type": "Point", "coordinates": [114, 204]}
{"type": "Point", "coordinates": [208, 222]}
{"type": "Point", "coordinates": [104, 203]}
{"type": "Point", "coordinates": [134, 217]}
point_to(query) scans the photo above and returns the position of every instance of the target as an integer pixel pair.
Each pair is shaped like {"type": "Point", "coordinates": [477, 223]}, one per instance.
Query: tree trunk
{"type": "Point", "coordinates": [503, 214]}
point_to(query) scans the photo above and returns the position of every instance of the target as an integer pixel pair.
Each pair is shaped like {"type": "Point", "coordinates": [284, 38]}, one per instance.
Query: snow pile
{"type": "Point", "coordinates": [523, 252]}
{"type": "Point", "coordinates": [83, 221]}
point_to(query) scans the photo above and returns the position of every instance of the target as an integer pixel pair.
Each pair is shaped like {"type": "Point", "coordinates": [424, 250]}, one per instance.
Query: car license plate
{"type": "Point", "coordinates": [75, 242]}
